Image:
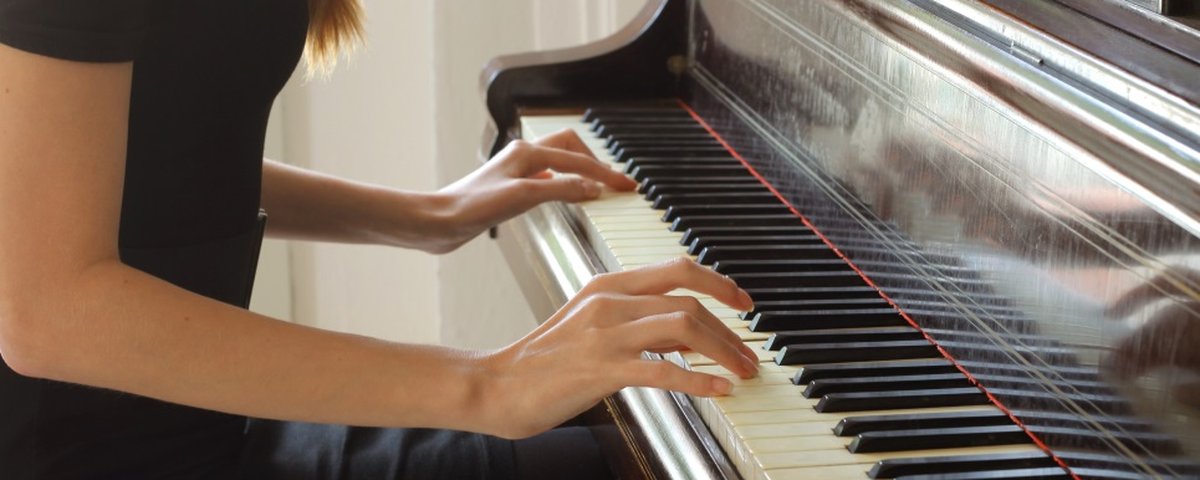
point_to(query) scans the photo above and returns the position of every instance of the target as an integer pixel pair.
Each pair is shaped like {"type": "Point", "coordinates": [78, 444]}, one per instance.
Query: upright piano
{"type": "Point", "coordinates": [971, 229]}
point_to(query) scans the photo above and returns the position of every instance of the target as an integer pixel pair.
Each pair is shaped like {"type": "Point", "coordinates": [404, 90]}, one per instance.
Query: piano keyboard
{"type": "Point", "coordinates": [847, 388]}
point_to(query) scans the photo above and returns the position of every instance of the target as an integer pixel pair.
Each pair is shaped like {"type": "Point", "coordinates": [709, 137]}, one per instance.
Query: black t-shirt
{"type": "Point", "coordinates": [205, 75]}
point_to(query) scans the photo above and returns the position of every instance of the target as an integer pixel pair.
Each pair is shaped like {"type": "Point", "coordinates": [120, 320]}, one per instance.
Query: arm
{"type": "Point", "coordinates": [71, 311]}
{"type": "Point", "coordinates": [308, 205]}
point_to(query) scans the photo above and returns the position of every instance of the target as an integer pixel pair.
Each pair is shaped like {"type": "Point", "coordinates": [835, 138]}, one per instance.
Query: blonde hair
{"type": "Point", "coordinates": [333, 26]}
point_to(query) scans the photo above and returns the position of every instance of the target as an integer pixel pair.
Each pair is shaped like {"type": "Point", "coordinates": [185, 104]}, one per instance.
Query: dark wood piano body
{"type": "Point", "coordinates": [1046, 199]}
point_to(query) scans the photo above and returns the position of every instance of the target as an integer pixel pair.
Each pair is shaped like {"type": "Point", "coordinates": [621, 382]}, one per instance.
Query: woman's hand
{"type": "Point", "coordinates": [519, 178]}
{"type": "Point", "coordinates": [593, 346]}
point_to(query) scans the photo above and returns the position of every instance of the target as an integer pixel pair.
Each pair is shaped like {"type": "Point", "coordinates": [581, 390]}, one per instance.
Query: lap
{"type": "Point", "coordinates": [302, 451]}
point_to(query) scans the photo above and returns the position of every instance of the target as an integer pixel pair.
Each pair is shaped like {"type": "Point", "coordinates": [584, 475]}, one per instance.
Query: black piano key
{"type": "Point", "coordinates": [596, 124]}
{"type": "Point", "coordinates": [892, 400]}
{"type": "Point", "coordinates": [814, 319]}
{"type": "Point", "coordinates": [807, 354]}
{"type": "Point", "coordinates": [641, 139]}
{"type": "Point", "coordinates": [779, 340]}
{"type": "Point", "coordinates": [772, 294]}
{"type": "Point", "coordinates": [645, 117]}
{"type": "Point", "coordinates": [718, 253]}
{"type": "Point", "coordinates": [825, 386]}
{"type": "Point", "coordinates": [808, 373]}
{"type": "Point", "coordinates": [624, 154]}
{"type": "Point", "coordinates": [636, 162]}
{"type": "Point", "coordinates": [677, 211]}
{"type": "Point", "coordinates": [1046, 473]}
{"type": "Point", "coordinates": [898, 467]}
{"type": "Point", "coordinates": [662, 202]}
{"type": "Point", "coordinates": [851, 426]}
{"type": "Point", "coordinates": [683, 223]}
{"type": "Point", "coordinates": [727, 267]}
{"type": "Point", "coordinates": [700, 243]}
{"type": "Point", "coordinates": [934, 438]}
{"type": "Point", "coordinates": [649, 184]}
{"type": "Point", "coordinates": [635, 111]}
{"type": "Point", "coordinates": [867, 300]}
{"type": "Point", "coordinates": [608, 129]}
{"type": "Point", "coordinates": [642, 172]}
{"type": "Point", "coordinates": [830, 278]}
{"type": "Point", "coordinates": [741, 186]}
{"type": "Point", "coordinates": [618, 144]}
{"type": "Point", "coordinates": [697, 233]}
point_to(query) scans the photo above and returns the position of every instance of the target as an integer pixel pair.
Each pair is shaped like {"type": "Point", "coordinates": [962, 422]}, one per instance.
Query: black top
{"type": "Point", "coordinates": [205, 74]}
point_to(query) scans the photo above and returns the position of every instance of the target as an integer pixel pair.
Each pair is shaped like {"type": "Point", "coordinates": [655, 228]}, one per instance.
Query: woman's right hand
{"type": "Point", "coordinates": [593, 347]}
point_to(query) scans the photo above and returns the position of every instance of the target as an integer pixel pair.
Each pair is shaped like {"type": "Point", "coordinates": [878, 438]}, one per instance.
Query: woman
{"type": "Point", "coordinates": [131, 179]}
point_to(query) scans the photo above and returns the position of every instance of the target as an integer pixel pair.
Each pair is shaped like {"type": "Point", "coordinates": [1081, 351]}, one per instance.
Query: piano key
{"type": "Point", "coordinates": [864, 401]}
{"type": "Point", "coordinates": [779, 340]}
{"type": "Point", "coordinates": [808, 373]}
{"type": "Point", "coordinates": [734, 198]}
{"type": "Point", "coordinates": [678, 211]}
{"type": "Point", "coordinates": [776, 266]}
{"type": "Point", "coordinates": [819, 388]}
{"type": "Point", "coordinates": [684, 223]}
{"type": "Point", "coordinates": [697, 233]}
{"type": "Point", "coordinates": [644, 139]}
{"type": "Point", "coordinates": [741, 186]}
{"type": "Point", "coordinates": [806, 354]}
{"type": "Point", "coordinates": [647, 185]}
{"type": "Point", "coordinates": [866, 301]}
{"type": "Point", "coordinates": [783, 294]}
{"type": "Point", "coordinates": [931, 438]}
{"type": "Point", "coordinates": [635, 111]}
{"type": "Point", "coordinates": [717, 253]}
{"type": "Point", "coordinates": [700, 243]}
{"type": "Point", "coordinates": [624, 154]}
{"type": "Point", "coordinates": [1049, 473]}
{"type": "Point", "coordinates": [897, 467]}
{"type": "Point", "coordinates": [815, 279]}
{"type": "Point", "coordinates": [694, 170]}
{"type": "Point", "coordinates": [851, 426]}
{"type": "Point", "coordinates": [823, 319]}
{"type": "Point", "coordinates": [667, 128]}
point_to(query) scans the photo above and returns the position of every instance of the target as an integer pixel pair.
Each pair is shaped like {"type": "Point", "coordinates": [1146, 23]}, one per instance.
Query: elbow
{"type": "Point", "coordinates": [18, 341]}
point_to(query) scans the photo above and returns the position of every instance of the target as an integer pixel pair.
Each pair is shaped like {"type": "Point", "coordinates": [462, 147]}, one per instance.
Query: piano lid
{"type": "Point", "coordinates": [948, 129]}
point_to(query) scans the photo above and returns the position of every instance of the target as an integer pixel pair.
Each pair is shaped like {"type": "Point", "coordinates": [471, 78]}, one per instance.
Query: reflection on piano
{"type": "Point", "coordinates": [965, 264]}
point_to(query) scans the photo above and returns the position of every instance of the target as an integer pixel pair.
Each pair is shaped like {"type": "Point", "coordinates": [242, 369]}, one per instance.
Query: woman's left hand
{"type": "Point", "coordinates": [521, 177]}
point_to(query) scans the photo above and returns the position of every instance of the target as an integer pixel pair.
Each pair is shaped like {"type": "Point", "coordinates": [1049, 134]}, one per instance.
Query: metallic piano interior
{"type": "Point", "coordinates": [1043, 203]}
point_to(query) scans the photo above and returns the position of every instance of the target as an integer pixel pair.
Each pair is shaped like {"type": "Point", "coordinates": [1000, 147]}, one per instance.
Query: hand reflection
{"type": "Point", "coordinates": [1170, 336]}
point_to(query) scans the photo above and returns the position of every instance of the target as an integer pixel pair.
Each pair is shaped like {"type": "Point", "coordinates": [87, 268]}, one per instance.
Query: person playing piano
{"type": "Point", "coordinates": [131, 179]}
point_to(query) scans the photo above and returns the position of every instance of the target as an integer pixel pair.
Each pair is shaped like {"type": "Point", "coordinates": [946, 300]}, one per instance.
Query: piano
{"type": "Point", "coordinates": [971, 230]}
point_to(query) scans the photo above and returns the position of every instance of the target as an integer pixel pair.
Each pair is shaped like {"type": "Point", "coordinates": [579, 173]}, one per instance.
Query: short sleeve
{"type": "Point", "coordinates": [82, 30]}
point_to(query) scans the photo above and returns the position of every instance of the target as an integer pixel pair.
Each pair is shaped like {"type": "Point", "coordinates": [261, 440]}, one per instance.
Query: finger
{"type": "Point", "coordinates": [638, 307]}
{"type": "Point", "coordinates": [662, 374]}
{"type": "Point", "coordinates": [565, 189]}
{"type": "Point", "coordinates": [565, 139]}
{"type": "Point", "coordinates": [674, 274]}
{"type": "Point", "coordinates": [681, 328]}
{"type": "Point", "coordinates": [542, 158]}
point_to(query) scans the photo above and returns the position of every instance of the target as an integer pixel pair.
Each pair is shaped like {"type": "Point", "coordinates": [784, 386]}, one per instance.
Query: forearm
{"type": "Point", "coordinates": [115, 327]}
{"type": "Point", "coordinates": [303, 204]}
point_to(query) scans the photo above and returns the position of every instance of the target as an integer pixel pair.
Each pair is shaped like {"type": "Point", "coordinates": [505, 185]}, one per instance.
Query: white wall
{"type": "Point", "coordinates": [406, 111]}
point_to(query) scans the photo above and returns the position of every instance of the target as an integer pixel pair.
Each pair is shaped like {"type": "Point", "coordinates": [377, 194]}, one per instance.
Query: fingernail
{"type": "Point", "coordinates": [722, 386]}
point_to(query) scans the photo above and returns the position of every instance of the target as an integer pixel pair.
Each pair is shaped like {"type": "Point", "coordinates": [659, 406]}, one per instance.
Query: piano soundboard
{"type": "Point", "coordinates": [848, 388]}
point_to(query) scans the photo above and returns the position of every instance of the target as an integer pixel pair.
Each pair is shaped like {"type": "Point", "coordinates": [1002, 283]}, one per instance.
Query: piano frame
{"type": "Point", "coordinates": [1039, 97]}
